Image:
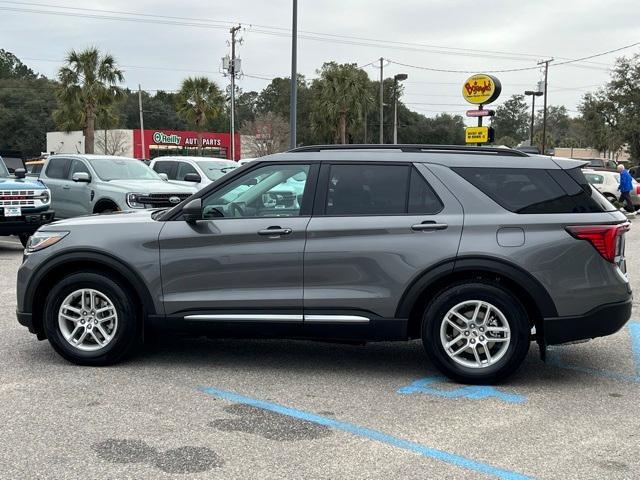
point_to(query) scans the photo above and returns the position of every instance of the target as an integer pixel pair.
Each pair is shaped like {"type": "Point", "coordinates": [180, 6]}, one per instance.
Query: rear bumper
{"type": "Point", "coordinates": [599, 322]}
{"type": "Point", "coordinates": [27, 223]}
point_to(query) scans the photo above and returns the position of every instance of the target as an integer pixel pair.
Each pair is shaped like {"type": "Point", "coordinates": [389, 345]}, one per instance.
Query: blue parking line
{"type": "Point", "coordinates": [553, 358]}
{"type": "Point", "coordinates": [471, 392]}
{"type": "Point", "coordinates": [375, 435]}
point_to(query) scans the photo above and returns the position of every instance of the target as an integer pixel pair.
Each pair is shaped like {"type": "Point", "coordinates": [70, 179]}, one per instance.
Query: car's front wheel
{"type": "Point", "coordinates": [90, 320]}
{"type": "Point", "coordinates": [476, 332]}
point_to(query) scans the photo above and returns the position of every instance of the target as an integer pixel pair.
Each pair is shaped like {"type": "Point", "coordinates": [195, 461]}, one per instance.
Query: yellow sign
{"type": "Point", "coordinates": [477, 135]}
{"type": "Point", "coordinates": [481, 89]}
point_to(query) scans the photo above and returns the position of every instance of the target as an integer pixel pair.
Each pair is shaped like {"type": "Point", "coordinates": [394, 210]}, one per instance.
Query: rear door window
{"type": "Point", "coordinates": [367, 189]}
{"type": "Point", "coordinates": [529, 190]}
{"type": "Point", "coordinates": [422, 198]}
{"type": "Point", "coordinates": [58, 167]}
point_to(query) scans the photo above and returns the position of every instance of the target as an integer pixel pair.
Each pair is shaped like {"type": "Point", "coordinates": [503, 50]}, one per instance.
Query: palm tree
{"type": "Point", "coordinates": [342, 92]}
{"type": "Point", "coordinates": [88, 84]}
{"type": "Point", "coordinates": [198, 101]}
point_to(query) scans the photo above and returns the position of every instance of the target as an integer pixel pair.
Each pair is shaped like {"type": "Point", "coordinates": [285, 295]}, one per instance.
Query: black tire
{"type": "Point", "coordinates": [516, 317]}
{"type": "Point", "coordinates": [24, 238]}
{"type": "Point", "coordinates": [126, 336]}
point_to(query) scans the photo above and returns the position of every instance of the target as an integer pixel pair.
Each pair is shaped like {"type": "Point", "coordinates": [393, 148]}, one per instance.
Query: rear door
{"type": "Point", "coordinates": [376, 228]}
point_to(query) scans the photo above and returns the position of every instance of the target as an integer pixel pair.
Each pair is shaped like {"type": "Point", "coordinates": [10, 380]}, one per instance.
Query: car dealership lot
{"type": "Point", "coordinates": [199, 408]}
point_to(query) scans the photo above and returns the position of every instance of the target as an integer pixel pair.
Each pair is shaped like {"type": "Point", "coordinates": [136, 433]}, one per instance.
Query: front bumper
{"type": "Point", "coordinates": [599, 322]}
{"type": "Point", "coordinates": [27, 223]}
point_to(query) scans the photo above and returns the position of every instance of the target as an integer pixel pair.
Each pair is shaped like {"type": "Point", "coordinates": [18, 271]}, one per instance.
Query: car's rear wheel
{"type": "Point", "coordinates": [90, 320]}
{"type": "Point", "coordinates": [476, 332]}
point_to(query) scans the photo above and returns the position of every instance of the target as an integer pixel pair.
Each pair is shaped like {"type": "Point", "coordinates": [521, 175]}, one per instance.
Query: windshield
{"type": "Point", "coordinates": [4, 173]}
{"type": "Point", "coordinates": [214, 170]}
{"type": "Point", "coordinates": [122, 169]}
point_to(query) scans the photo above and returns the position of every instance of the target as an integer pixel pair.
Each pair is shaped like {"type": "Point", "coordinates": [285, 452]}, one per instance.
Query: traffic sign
{"type": "Point", "coordinates": [481, 113]}
{"type": "Point", "coordinates": [478, 134]}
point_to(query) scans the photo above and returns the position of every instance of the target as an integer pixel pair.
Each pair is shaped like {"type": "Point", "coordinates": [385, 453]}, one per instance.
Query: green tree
{"type": "Point", "coordinates": [12, 67]}
{"type": "Point", "coordinates": [198, 102]}
{"type": "Point", "coordinates": [512, 119]}
{"type": "Point", "coordinates": [601, 118]}
{"type": "Point", "coordinates": [88, 83]}
{"type": "Point", "coordinates": [557, 123]}
{"type": "Point", "coordinates": [340, 96]}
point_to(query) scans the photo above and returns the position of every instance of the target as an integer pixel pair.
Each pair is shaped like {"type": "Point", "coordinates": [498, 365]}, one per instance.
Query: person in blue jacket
{"type": "Point", "coordinates": [625, 187]}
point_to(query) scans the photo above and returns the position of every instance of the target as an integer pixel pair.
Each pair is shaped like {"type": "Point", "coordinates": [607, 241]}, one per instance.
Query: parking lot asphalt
{"type": "Point", "coordinates": [201, 408]}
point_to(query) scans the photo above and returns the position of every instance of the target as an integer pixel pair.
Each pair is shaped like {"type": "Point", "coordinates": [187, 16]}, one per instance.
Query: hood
{"type": "Point", "coordinates": [21, 184]}
{"type": "Point", "coordinates": [151, 186]}
{"type": "Point", "coordinates": [120, 218]}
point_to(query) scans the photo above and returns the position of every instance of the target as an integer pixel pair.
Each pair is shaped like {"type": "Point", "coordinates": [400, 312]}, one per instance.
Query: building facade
{"type": "Point", "coordinates": [147, 144]}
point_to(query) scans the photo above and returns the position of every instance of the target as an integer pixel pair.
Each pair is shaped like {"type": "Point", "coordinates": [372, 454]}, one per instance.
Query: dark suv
{"type": "Point", "coordinates": [476, 251]}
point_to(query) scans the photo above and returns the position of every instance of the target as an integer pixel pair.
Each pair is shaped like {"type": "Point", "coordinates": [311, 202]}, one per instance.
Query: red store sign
{"type": "Point", "coordinates": [156, 140]}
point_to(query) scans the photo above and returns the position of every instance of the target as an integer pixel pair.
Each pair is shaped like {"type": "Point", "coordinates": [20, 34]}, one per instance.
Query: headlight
{"type": "Point", "coordinates": [44, 197]}
{"type": "Point", "coordinates": [132, 200]}
{"type": "Point", "coordinates": [42, 240]}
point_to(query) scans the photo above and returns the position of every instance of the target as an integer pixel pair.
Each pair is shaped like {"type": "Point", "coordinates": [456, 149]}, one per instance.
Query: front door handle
{"type": "Point", "coordinates": [429, 226]}
{"type": "Point", "coordinates": [66, 187]}
{"type": "Point", "coordinates": [275, 231]}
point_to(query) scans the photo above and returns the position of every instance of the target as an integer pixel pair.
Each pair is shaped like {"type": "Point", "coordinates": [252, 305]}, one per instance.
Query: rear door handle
{"type": "Point", "coordinates": [429, 226]}
{"type": "Point", "coordinates": [275, 231]}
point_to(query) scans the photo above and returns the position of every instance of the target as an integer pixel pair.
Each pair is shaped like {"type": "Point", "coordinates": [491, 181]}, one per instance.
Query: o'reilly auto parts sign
{"type": "Point", "coordinates": [160, 138]}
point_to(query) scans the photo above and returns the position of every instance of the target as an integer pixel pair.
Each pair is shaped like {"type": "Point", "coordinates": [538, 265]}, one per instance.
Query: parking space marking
{"type": "Point", "coordinates": [368, 433]}
{"type": "Point", "coordinates": [475, 392]}
{"type": "Point", "coordinates": [553, 358]}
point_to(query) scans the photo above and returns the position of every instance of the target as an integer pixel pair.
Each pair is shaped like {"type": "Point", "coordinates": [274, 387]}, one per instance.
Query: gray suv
{"type": "Point", "coordinates": [475, 251]}
{"type": "Point", "coordinates": [86, 184]}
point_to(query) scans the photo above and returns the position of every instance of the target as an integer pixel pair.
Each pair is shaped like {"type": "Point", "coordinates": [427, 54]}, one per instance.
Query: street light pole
{"type": "Point", "coordinates": [381, 100]}
{"type": "Point", "coordinates": [397, 78]}
{"type": "Point", "coordinates": [533, 94]}
{"type": "Point", "coordinates": [544, 112]}
{"type": "Point", "coordinates": [293, 110]}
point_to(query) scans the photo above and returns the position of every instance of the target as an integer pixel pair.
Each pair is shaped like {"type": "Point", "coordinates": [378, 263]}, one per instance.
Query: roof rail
{"type": "Point", "coordinates": [416, 149]}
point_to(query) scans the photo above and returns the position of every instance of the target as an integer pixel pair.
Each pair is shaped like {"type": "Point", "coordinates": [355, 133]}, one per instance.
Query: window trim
{"type": "Point", "coordinates": [322, 190]}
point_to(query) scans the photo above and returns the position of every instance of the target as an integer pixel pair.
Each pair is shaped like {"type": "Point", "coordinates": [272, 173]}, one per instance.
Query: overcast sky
{"type": "Point", "coordinates": [157, 53]}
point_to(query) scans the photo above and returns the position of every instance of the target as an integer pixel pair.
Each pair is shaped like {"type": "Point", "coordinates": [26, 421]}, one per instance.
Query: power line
{"type": "Point", "coordinates": [265, 29]}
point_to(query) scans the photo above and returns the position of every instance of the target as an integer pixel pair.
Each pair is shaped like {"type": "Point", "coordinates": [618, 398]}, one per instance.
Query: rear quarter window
{"type": "Point", "coordinates": [533, 190]}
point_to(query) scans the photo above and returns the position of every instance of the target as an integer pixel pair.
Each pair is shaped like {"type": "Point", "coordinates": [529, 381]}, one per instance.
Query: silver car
{"type": "Point", "coordinates": [86, 184]}
{"type": "Point", "coordinates": [195, 172]}
{"type": "Point", "coordinates": [475, 251]}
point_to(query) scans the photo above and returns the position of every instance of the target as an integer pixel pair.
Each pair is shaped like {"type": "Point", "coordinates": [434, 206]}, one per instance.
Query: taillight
{"type": "Point", "coordinates": [604, 238]}
{"type": "Point", "coordinates": [638, 189]}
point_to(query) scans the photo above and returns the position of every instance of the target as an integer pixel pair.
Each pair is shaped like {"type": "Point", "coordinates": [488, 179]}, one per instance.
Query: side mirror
{"type": "Point", "coordinates": [20, 172]}
{"type": "Point", "coordinates": [192, 177]}
{"type": "Point", "coordinates": [192, 211]}
{"type": "Point", "coordinates": [82, 177]}
{"type": "Point", "coordinates": [164, 176]}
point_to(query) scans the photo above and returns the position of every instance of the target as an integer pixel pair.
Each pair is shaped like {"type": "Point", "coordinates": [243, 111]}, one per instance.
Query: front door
{"type": "Point", "coordinates": [244, 261]}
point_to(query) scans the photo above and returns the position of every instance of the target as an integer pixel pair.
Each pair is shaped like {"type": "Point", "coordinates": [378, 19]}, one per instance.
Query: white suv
{"type": "Point", "coordinates": [193, 171]}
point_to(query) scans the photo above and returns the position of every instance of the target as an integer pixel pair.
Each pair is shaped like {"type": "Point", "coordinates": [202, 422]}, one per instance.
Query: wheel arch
{"type": "Point", "coordinates": [48, 273]}
{"type": "Point", "coordinates": [103, 202]}
{"type": "Point", "coordinates": [528, 289]}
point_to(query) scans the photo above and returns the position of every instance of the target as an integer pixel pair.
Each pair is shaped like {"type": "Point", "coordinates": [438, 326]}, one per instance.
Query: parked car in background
{"type": "Point", "coordinates": [193, 171]}
{"type": "Point", "coordinates": [600, 163]}
{"type": "Point", "coordinates": [86, 184]}
{"type": "Point", "coordinates": [24, 204]}
{"type": "Point", "coordinates": [34, 167]}
{"type": "Point", "coordinates": [476, 251]}
{"type": "Point", "coordinates": [607, 183]}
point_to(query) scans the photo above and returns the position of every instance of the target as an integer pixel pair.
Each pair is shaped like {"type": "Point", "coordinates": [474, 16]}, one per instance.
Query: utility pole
{"type": "Point", "coordinates": [142, 154]}
{"type": "Point", "coordinates": [232, 72]}
{"type": "Point", "coordinates": [293, 110]}
{"type": "Point", "coordinates": [544, 111]}
{"type": "Point", "coordinates": [381, 100]}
